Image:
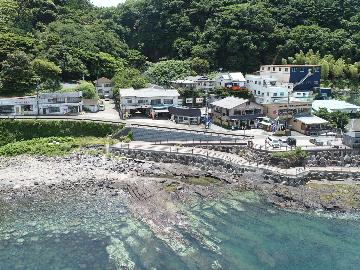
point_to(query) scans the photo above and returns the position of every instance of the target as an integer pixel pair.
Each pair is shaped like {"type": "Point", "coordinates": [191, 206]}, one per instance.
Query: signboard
{"type": "Point", "coordinates": [199, 100]}
{"type": "Point", "coordinates": [189, 100]}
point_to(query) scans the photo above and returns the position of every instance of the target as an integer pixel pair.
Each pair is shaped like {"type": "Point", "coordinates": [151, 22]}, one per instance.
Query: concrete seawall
{"type": "Point", "coordinates": [221, 165]}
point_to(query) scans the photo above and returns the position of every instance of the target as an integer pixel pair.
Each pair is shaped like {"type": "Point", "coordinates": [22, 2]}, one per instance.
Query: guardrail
{"type": "Point", "coordinates": [205, 132]}
{"type": "Point", "coordinates": [62, 118]}
{"type": "Point", "coordinates": [299, 172]}
{"type": "Point", "coordinates": [267, 148]}
{"type": "Point", "coordinates": [240, 141]}
{"type": "Point", "coordinates": [128, 124]}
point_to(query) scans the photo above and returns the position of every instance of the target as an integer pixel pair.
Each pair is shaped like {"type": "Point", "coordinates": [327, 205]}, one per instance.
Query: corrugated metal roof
{"type": "Point", "coordinates": [229, 102]}
{"type": "Point", "coordinates": [311, 120]}
{"type": "Point", "coordinates": [333, 105]}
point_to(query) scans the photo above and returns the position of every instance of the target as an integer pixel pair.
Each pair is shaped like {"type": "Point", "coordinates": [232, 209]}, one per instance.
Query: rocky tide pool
{"type": "Point", "coordinates": [83, 231]}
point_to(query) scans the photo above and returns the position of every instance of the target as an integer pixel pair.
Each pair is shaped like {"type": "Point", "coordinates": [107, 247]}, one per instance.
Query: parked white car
{"type": "Point", "coordinates": [273, 142]}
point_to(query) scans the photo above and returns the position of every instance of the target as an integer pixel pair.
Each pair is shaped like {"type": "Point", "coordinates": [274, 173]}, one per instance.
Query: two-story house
{"type": "Point", "coordinates": [147, 100]}
{"type": "Point", "coordinates": [232, 80]}
{"type": "Point", "coordinates": [236, 113]}
{"type": "Point", "coordinates": [203, 83]}
{"type": "Point", "coordinates": [43, 104]}
{"type": "Point", "coordinates": [104, 87]}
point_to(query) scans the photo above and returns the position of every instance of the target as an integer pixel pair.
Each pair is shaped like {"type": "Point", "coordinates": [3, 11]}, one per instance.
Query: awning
{"type": "Point", "coordinates": [161, 111]}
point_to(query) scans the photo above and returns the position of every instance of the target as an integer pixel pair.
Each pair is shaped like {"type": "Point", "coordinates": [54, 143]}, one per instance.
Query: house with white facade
{"type": "Point", "coordinates": [147, 100]}
{"type": "Point", "coordinates": [267, 90]}
{"type": "Point", "coordinates": [43, 104]}
{"type": "Point", "coordinates": [195, 83]}
{"type": "Point", "coordinates": [276, 82]}
{"type": "Point", "coordinates": [104, 87]}
{"type": "Point", "coordinates": [91, 105]}
{"type": "Point", "coordinates": [351, 137]}
{"type": "Point", "coordinates": [233, 80]}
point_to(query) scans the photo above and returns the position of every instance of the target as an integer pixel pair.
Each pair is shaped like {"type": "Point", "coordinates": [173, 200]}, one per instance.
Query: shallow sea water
{"type": "Point", "coordinates": [236, 232]}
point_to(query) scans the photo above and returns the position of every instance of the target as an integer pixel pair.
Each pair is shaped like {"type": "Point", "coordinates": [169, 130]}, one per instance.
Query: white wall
{"type": "Point", "coordinates": [281, 74]}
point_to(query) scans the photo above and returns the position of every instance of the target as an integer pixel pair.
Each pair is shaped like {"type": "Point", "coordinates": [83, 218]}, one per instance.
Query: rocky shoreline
{"type": "Point", "coordinates": [153, 190]}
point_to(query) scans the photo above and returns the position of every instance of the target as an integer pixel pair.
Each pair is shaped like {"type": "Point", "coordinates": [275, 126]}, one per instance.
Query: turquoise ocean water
{"type": "Point", "coordinates": [237, 232]}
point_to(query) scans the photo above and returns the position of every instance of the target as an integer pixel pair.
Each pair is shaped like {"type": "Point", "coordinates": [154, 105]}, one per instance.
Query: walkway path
{"type": "Point", "coordinates": [227, 157]}
{"type": "Point", "coordinates": [230, 158]}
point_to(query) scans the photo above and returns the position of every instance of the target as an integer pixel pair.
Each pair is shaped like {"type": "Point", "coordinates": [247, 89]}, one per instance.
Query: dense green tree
{"type": "Point", "coordinates": [88, 90]}
{"type": "Point", "coordinates": [337, 119]}
{"type": "Point", "coordinates": [129, 77]}
{"type": "Point", "coordinates": [17, 74]}
{"type": "Point", "coordinates": [47, 73]}
{"type": "Point", "coordinates": [164, 72]}
{"type": "Point", "coordinates": [85, 41]}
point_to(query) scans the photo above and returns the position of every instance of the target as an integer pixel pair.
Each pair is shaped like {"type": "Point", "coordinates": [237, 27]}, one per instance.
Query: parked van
{"type": "Point", "coordinates": [273, 142]}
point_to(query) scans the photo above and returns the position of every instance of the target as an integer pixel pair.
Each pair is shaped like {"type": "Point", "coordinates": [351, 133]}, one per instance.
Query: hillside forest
{"type": "Point", "coordinates": [45, 42]}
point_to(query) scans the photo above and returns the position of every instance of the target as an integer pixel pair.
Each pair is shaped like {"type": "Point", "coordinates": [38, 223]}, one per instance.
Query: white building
{"type": "Point", "coordinates": [44, 104]}
{"type": "Point", "coordinates": [234, 80]}
{"type": "Point", "coordinates": [195, 83]}
{"type": "Point", "coordinates": [334, 105]}
{"type": "Point", "coordinates": [147, 99]}
{"type": "Point", "coordinates": [104, 87]}
{"type": "Point", "coordinates": [91, 105]}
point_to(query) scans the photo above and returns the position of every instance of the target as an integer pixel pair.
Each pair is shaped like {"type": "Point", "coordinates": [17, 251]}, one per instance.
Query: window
{"type": "Point", "coordinates": [281, 94]}
{"type": "Point", "coordinates": [255, 82]}
{"type": "Point", "coordinates": [262, 94]}
{"type": "Point", "coordinates": [73, 100]}
{"type": "Point", "coordinates": [279, 69]}
{"type": "Point", "coordinates": [142, 101]}
{"type": "Point", "coordinates": [294, 69]}
{"type": "Point", "coordinates": [258, 92]}
{"type": "Point", "coordinates": [268, 68]}
{"type": "Point", "coordinates": [107, 85]}
{"type": "Point", "coordinates": [168, 101]}
{"type": "Point", "coordinates": [273, 68]}
{"type": "Point", "coordinates": [129, 101]}
{"type": "Point", "coordinates": [268, 94]}
{"type": "Point", "coordinates": [54, 109]}
{"type": "Point", "coordinates": [286, 69]}
{"type": "Point", "coordinates": [262, 68]}
{"type": "Point", "coordinates": [247, 81]}
{"type": "Point", "coordinates": [56, 100]}
{"type": "Point", "coordinates": [155, 101]}
{"type": "Point", "coordinates": [275, 94]}
{"type": "Point", "coordinates": [237, 112]}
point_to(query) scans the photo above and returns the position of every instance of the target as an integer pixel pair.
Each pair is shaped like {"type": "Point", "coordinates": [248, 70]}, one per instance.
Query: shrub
{"type": "Point", "coordinates": [292, 158]}
{"type": "Point", "coordinates": [12, 131]}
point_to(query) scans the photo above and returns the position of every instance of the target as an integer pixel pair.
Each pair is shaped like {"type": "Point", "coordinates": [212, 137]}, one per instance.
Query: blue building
{"type": "Point", "coordinates": [305, 78]}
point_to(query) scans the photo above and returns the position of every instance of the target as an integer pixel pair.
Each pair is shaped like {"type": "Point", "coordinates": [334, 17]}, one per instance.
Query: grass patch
{"type": "Point", "coordinates": [292, 158]}
{"type": "Point", "coordinates": [298, 153]}
{"type": "Point", "coordinates": [171, 187]}
{"type": "Point", "coordinates": [51, 146]}
{"type": "Point", "coordinates": [344, 193]}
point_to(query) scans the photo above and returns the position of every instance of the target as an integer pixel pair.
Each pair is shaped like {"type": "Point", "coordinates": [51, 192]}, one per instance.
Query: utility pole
{"type": "Point", "coordinates": [37, 97]}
